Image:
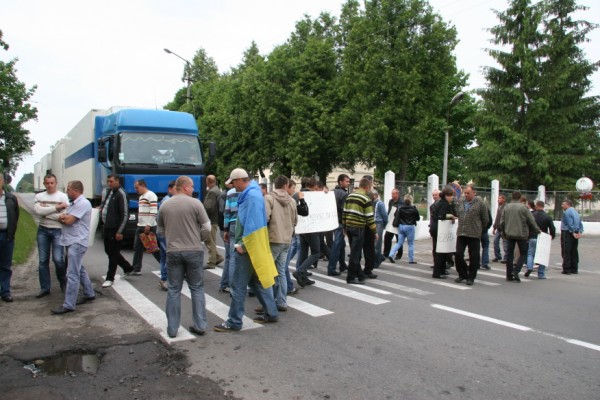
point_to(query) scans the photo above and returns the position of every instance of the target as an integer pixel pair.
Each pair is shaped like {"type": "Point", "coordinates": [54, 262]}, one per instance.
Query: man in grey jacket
{"type": "Point", "coordinates": [472, 219]}
{"type": "Point", "coordinates": [282, 217]}
{"type": "Point", "coordinates": [516, 223]}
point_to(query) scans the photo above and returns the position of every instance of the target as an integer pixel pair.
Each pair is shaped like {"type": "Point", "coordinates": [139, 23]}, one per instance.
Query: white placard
{"type": "Point", "coordinates": [389, 227]}
{"type": "Point", "coordinates": [93, 225]}
{"type": "Point", "coordinates": [446, 238]}
{"type": "Point", "coordinates": [322, 213]}
{"type": "Point", "coordinates": [542, 249]}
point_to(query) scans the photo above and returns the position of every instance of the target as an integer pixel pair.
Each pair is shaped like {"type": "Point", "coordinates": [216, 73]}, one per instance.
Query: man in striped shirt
{"type": "Point", "coordinates": [147, 210]}
{"type": "Point", "coordinates": [357, 216]}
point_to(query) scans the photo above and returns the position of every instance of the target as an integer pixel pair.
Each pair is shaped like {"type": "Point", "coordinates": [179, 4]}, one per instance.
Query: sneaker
{"type": "Point", "coordinates": [225, 328]}
{"type": "Point", "coordinates": [263, 319]}
{"type": "Point", "coordinates": [224, 290]}
{"type": "Point", "coordinates": [163, 285]}
{"type": "Point", "coordinates": [107, 284]}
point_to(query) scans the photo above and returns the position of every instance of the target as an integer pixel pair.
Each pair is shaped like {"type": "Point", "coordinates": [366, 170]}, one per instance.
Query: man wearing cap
{"type": "Point", "coordinates": [254, 265]}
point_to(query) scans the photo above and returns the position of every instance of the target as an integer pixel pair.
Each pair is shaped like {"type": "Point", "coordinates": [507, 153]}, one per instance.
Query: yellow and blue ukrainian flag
{"type": "Point", "coordinates": [252, 217]}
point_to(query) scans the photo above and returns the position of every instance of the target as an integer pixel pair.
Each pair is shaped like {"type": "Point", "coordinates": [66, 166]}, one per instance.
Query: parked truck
{"type": "Point", "coordinates": [155, 145]}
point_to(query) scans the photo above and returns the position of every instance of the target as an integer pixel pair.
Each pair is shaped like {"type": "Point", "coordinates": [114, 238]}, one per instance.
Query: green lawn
{"type": "Point", "coordinates": [26, 237]}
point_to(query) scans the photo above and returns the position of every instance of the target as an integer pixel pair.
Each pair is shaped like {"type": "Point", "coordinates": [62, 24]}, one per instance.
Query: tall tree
{"type": "Point", "coordinates": [536, 126]}
{"type": "Point", "coordinates": [399, 74]}
{"type": "Point", "coordinates": [15, 111]}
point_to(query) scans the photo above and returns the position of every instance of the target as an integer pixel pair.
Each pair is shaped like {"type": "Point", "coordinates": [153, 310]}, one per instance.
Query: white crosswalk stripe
{"type": "Point", "coordinates": [218, 308]}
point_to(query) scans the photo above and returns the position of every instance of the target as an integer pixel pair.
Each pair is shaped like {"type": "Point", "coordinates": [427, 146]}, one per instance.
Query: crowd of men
{"type": "Point", "coordinates": [258, 230]}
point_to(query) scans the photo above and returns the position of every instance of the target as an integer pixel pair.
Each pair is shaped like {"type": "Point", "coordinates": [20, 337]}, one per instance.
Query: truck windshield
{"type": "Point", "coordinates": [159, 149]}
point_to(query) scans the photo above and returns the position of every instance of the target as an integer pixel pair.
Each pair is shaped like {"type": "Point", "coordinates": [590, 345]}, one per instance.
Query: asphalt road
{"type": "Point", "coordinates": [401, 336]}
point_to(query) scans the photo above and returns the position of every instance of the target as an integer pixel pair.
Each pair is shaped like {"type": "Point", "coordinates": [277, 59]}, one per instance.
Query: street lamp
{"type": "Point", "coordinates": [457, 97]}
{"type": "Point", "coordinates": [188, 73]}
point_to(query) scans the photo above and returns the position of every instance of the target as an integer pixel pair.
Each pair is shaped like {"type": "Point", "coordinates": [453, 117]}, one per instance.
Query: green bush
{"type": "Point", "coordinates": [26, 237]}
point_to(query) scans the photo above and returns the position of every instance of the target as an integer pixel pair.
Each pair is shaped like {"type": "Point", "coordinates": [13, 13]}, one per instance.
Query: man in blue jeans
{"type": "Point", "coordinates": [48, 236]}
{"type": "Point", "coordinates": [184, 223]}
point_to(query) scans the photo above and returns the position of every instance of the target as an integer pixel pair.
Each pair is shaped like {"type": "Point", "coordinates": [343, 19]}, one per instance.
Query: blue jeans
{"type": "Point", "coordinates": [485, 248]}
{"type": "Point", "coordinates": [6, 253]}
{"type": "Point", "coordinates": [188, 266]}
{"type": "Point", "coordinates": [242, 277]}
{"type": "Point", "coordinates": [312, 241]}
{"type": "Point", "coordinates": [531, 256]}
{"type": "Point", "coordinates": [228, 265]}
{"type": "Point", "coordinates": [338, 251]}
{"type": "Point", "coordinates": [76, 275]}
{"type": "Point", "coordinates": [49, 238]}
{"type": "Point", "coordinates": [378, 255]}
{"type": "Point", "coordinates": [408, 232]}
{"type": "Point", "coordinates": [279, 252]}
{"type": "Point", "coordinates": [162, 246]}
{"type": "Point", "coordinates": [291, 253]}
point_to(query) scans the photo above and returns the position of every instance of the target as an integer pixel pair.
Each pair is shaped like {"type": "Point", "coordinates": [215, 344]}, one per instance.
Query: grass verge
{"type": "Point", "coordinates": [26, 237]}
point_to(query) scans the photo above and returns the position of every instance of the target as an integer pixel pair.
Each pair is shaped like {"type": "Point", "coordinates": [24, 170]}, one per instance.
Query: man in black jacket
{"type": "Point", "coordinates": [546, 225]}
{"type": "Point", "coordinates": [338, 250]}
{"type": "Point", "coordinates": [115, 212]}
{"type": "Point", "coordinates": [9, 216]}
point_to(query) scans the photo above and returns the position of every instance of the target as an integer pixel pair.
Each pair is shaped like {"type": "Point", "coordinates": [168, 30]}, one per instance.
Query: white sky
{"type": "Point", "coordinates": [85, 55]}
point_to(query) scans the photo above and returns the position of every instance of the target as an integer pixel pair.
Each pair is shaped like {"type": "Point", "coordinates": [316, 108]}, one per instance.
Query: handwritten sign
{"type": "Point", "coordinates": [389, 227]}
{"type": "Point", "coordinates": [542, 249]}
{"type": "Point", "coordinates": [322, 213]}
{"type": "Point", "coordinates": [446, 239]}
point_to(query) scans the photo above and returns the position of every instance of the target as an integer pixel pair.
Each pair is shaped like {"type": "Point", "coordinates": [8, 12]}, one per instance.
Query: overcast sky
{"type": "Point", "coordinates": [84, 55]}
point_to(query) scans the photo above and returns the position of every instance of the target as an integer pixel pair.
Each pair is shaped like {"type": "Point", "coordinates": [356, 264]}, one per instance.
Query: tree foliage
{"type": "Point", "coordinates": [536, 125]}
{"type": "Point", "coordinates": [15, 111]}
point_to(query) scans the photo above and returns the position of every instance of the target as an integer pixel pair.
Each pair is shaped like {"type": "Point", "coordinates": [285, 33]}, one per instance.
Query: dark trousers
{"type": "Point", "coordinates": [568, 250]}
{"type": "Point", "coordinates": [387, 244]}
{"type": "Point", "coordinates": [112, 248]}
{"type": "Point", "coordinates": [510, 256]}
{"type": "Point", "coordinates": [465, 271]}
{"type": "Point", "coordinates": [446, 256]}
{"type": "Point", "coordinates": [356, 237]}
{"type": "Point", "coordinates": [139, 250]}
{"type": "Point", "coordinates": [308, 241]}
{"type": "Point", "coordinates": [369, 250]}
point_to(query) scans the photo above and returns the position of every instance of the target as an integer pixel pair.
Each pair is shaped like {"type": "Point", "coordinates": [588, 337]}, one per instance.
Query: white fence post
{"type": "Point", "coordinates": [542, 193]}
{"type": "Point", "coordinates": [433, 182]}
{"type": "Point", "coordinates": [494, 199]}
{"type": "Point", "coordinates": [389, 184]}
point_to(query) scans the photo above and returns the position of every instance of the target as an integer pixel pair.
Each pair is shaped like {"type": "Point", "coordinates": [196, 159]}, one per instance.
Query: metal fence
{"type": "Point", "coordinates": [588, 208]}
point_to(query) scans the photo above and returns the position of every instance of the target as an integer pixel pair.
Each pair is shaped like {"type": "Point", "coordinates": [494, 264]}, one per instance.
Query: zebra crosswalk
{"type": "Point", "coordinates": [377, 292]}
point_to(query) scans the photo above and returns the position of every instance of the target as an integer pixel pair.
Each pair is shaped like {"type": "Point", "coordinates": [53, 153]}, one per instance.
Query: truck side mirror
{"type": "Point", "coordinates": [105, 150]}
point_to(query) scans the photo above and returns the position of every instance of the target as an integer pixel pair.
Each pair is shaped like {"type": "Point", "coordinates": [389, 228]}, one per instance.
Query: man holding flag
{"type": "Point", "coordinates": [254, 265]}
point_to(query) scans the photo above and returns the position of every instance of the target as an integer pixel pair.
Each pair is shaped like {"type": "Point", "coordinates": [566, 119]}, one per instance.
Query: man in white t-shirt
{"type": "Point", "coordinates": [147, 210]}
{"type": "Point", "coordinates": [48, 235]}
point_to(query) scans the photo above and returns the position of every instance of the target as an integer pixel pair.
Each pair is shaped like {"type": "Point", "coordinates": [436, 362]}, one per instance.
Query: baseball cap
{"type": "Point", "coordinates": [237, 173]}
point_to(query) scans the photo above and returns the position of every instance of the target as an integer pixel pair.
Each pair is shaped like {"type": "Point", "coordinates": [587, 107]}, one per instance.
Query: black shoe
{"type": "Point", "coordinates": [446, 272]}
{"type": "Point", "coordinates": [263, 319]}
{"type": "Point", "coordinates": [527, 273]}
{"type": "Point", "coordinates": [308, 282]}
{"type": "Point", "coordinates": [371, 276]}
{"type": "Point", "coordinates": [486, 267]}
{"type": "Point", "coordinates": [516, 278]}
{"type": "Point", "coordinates": [61, 311]}
{"type": "Point", "coordinates": [439, 277]}
{"type": "Point", "coordinates": [342, 269]}
{"type": "Point", "coordinates": [459, 280]}
{"type": "Point", "coordinates": [412, 262]}
{"type": "Point", "coordinates": [510, 278]}
{"type": "Point", "coordinates": [495, 260]}
{"type": "Point", "coordinates": [43, 293]}
{"type": "Point", "coordinates": [250, 294]}
{"type": "Point", "coordinates": [398, 257]}
{"type": "Point", "coordinates": [8, 298]}
{"type": "Point", "coordinates": [563, 272]}
{"type": "Point", "coordinates": [85, 300]}
{"type": "Point", "coordinates": [502, 261]}
{"type": "Point", "coordinates": [334, 273]}
{"type": "Point", "coordinates": [292, 292]}
{"type": "Point", "coordinates": [355, 281]}
{"type": "Point", "coordinates": [574, 272]}
{"type": "Point", "coordinates": [391, 260]}
{"type": "Point", "coordinates": [309, 273]}
{"type": "Point", "coordinates": [299, 279]}
{"type": "Point", "coordinates": [197, 331]}
{"type": "Point", "coordinates": [470, 282]}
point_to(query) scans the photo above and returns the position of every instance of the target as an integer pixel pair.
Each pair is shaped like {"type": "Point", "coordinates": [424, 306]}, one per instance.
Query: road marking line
{"type": "Point", "coordinates": [400, 287]}
{"type": "Point", "coordinates": [218, 308]}
{"type": "Point", "coordinates": [149, 311]}
{"type": "Point", "coordinates": [482, 317]}
{"type": "Point", "coordinates": [517, 326]}
{"type": "Point", "coordinates": [428, 272]}
{"type": "Point", "coordinates": [432, 281]}
{"type": "Point", "coordinates": [343, 281]}
{"type": "Point", "coordinates": [351, 293]}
